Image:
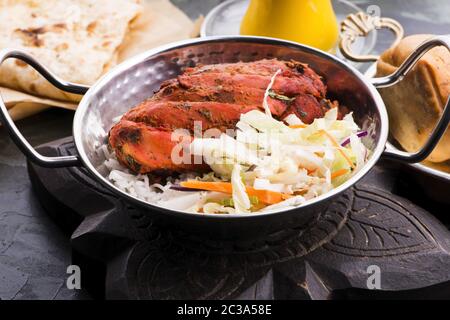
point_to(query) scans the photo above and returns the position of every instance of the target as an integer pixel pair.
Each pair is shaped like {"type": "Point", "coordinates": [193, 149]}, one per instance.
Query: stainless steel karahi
{"type": "Point", "coordinates": [136, 79]}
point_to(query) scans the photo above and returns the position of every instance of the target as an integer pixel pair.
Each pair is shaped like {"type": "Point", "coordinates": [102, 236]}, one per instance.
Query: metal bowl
{"type": "Point", "coordinates": [134, 80]}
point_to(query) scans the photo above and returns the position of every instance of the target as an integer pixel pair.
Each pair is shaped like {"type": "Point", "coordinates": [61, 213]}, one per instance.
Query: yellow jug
{"type": "Point", "coordinates": [311, 22]}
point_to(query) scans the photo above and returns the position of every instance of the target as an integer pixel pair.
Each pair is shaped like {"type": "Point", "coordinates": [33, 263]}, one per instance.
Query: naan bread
{"type": "Point", "coordinates": [161, 23]}
{"type": "Point", "coordinates": [415, 105]}
{"type": "Point", "coordinates": [76, 39]}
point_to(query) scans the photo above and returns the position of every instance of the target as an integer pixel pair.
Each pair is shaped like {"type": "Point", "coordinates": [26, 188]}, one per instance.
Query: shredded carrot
{"type": "Point", "coordinates": [268, 197]}
{"type": "Point", "coordinates": [298, 126]}
{"type": "Point", "coordinates": [338, 146]}
{"type": "Point", "coordinates": [265, 196]}
{"type": "Point", "coordinates": [339, 173]}
{"type": "Point", "coordinates": [224, 187]}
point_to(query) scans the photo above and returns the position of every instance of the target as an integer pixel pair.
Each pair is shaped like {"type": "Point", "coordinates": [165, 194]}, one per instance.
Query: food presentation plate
{"type": "Point", "coordinates": [225, 19]}
{"type": "Point", "coordinates": [426, 176]}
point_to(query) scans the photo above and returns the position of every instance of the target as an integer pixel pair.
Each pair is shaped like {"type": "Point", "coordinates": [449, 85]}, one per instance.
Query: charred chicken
{"type": "Point", "coordinates": [215, 96]}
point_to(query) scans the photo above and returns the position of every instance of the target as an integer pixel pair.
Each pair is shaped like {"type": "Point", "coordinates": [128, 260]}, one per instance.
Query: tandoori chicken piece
{"type": "Point", "coordinates": [211, 97]}
{"type": "Point", "coordinates": [144, 149]}
{"type": "Point", "coordinates": [261, 67]}
{"type": "Point", "coordinates": [264, 68]}
{"type": "Point", "coordinates": [283, 85]}
{"type": "Point", "coordinates": [232, 95]}
{"type": "Point", "coordinates": [186, 115]}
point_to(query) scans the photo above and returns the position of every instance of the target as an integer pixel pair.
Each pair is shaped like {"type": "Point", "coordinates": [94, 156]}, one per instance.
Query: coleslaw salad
{"type": "Point", "coordinates": [271, 165]}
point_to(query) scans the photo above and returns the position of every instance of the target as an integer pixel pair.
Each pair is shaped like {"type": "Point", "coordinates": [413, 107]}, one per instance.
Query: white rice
{"type": "Point", "coordinates": [139, 186]}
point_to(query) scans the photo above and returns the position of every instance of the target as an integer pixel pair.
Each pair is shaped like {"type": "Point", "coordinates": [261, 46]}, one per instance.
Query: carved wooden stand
{"type": "Point", "coordinates": [123, 255]}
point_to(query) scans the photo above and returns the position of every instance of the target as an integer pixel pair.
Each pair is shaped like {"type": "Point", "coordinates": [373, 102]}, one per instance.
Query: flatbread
{"type": "Point", "coordinates": [160, 23]}
{"type": "Point", "coordinates": [23, 110]}
{"type": "Point", "coordinates": [443, 166]}
{"type": "Point", "coordinates": [415, 105]}
{"type": "Point", "coordinates": [76, 39]}
{"type": "Point", "coordinates": [12, 98]}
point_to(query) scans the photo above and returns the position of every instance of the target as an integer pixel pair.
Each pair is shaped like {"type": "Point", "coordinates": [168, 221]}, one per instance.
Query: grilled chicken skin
{"type": "Point", "coordinates": [211, 97]}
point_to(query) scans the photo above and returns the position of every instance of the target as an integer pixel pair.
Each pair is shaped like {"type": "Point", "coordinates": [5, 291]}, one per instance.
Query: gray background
{"type": "Point", "coordinates": [34, 254]}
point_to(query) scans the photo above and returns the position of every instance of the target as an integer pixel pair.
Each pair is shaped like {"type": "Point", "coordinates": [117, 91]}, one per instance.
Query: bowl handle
{"type": "Point", "coordinates": [360, 25]}
{"type": "Point", "coordinates": [16, 135]}
{"type": "Point", "coordinates": [398, 76]}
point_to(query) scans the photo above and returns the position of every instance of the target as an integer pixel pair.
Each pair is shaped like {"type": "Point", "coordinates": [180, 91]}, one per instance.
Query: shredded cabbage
{"type": "Point", "coordinates": [267, 93]}
{"type": "Point", "coordinates": [241, 199]}
{"type": "Point", "coordinates": [288, 158]}
{"type": "Point", "coordinates": [303, 162]}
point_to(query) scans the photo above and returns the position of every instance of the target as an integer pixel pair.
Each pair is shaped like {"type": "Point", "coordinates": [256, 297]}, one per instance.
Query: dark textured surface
{"type": "Point", "coordinates": [33, 252]}
{"type": "Point", "coordinates": [126, 254]}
